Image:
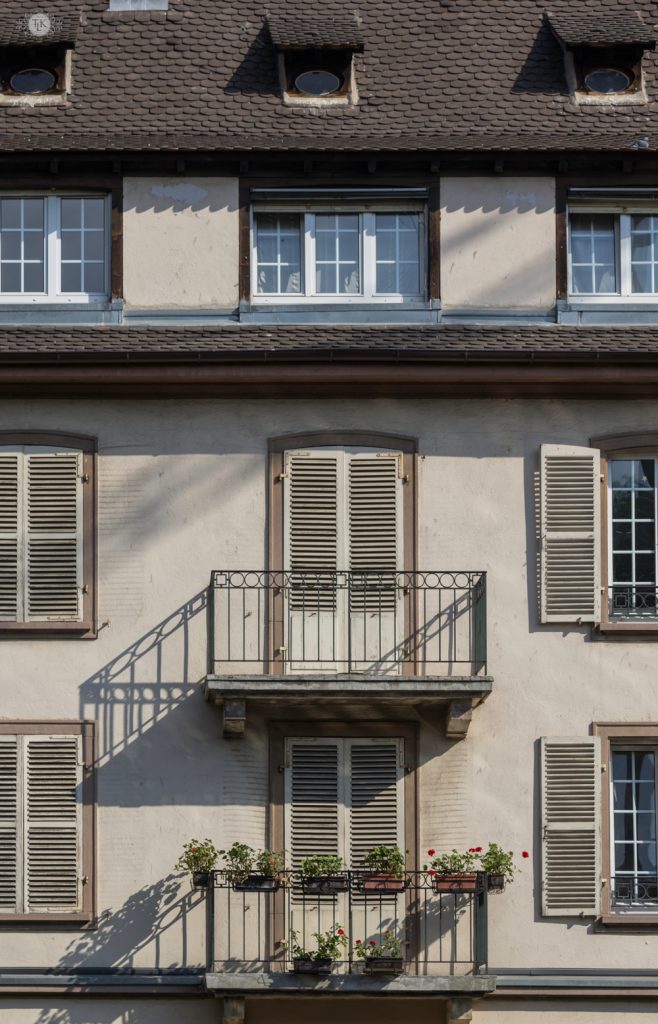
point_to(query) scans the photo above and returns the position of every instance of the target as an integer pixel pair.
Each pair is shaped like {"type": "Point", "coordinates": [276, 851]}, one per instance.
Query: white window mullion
{"type": "Point", "coordinates": [369, 255]}
{"type": "Point", "coordinates": [22, 602]}
{"type": "Point", "coordinates": [624, 230]}
{"type": "Point", "coordinates": [53, 247]}
{"type": "Point", "coordinates": [308, 242]}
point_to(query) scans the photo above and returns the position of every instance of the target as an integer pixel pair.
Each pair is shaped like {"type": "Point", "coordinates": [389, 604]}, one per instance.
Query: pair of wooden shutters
{"type": "Point", "coordinates": [343, 796]}
{"type": "Point", "coordinates": [40, 824]}
{"type": "Point", "coordinates": [40, 535]}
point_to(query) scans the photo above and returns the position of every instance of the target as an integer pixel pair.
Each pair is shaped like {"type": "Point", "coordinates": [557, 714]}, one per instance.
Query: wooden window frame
{"type": "Point", "coordinates": [635, 445]}
{"type": "Point", "coordinates": [637, 734]}
{"type": "Point", "coordinates": [277, 448]}
{"type": "Point", "coordinates": [87, 730]}
{"type": "Point", "coordinates": [87, 628]}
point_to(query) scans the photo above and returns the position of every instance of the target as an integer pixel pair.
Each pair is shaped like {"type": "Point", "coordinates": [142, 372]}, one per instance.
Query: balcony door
{"type": "Point", "coordinates": [343, 555]}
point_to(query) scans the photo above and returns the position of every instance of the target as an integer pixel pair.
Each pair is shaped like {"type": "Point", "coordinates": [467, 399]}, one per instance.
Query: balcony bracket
{"type": "Point", "coordinates": [460, 1011]}
{"type": "Point", "coordinates": [234, 1010]}
{"type": "Point", "coordinates": [234, 718]}
{"type": "Point", "coordinates": [458, 719]}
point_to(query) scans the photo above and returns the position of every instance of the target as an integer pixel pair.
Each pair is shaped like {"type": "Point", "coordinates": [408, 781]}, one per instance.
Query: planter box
{"type": "Point", "coordinates": [383, 883]}
{"type": "Point", "coordinates": [200, 879]}
{"type": "Point", "coordinates": [257, 883]}
{"type": "Point", "coordinates": [324, 966]}
{"type": "Point", "coordinates": [383, 965]}
{"type": "Point", "coordinates": [325, 885]}
{"type": "Point", "coordinates": [495, 883]}
{"type": "Point", "coordinates": [466, 882]}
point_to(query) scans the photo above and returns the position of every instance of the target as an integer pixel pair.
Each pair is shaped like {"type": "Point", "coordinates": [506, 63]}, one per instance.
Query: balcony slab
{"type": "Point", "coordinates": [459, 694]}
{"type": "Point", "coordinates": [285, 984]}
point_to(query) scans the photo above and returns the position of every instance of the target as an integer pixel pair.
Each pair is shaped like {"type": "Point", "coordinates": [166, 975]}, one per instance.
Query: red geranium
{"type": "Point", "coordinates": [431, 872]}
{"type": "Point", "coordinates": [358, 942]}
{"type": "Point", "coordinates": [340, 932]}
{"type": "Point", "coordinates": [478, 849]}
{"type": "Point", "coordinates": [430, 853]}
{"type": "Point", "coordinates": [525, 854]}
{"type": "Point", "coordinates": [372, 942]}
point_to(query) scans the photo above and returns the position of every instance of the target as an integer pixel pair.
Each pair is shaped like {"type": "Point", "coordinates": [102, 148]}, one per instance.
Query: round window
{"type": "Point", "coordinates": [32, 80]}
{"type": "Point", "coordinates": [317, 83]}
{"type": "Point", "coordinates": [607, 80]}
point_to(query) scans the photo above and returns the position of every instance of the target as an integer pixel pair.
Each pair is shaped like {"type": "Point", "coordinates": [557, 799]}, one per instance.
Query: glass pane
{"type": "Point", "coordinates": [604, 279]}
{"type": "Point", "coordinates": [386, 278]}
{"type": "Point", "coordinates": [348, 222]}
{"type": "Point", "coordinates": [33, 277]}
{"type": "Point", "coordinates": [645, 766]}
{"type": "Point", "coordinates": [645, 536]}
{"type": "Point", "coordinates": [646, 857]}
{"type": "Point", "coordinates": [581, 280]}
{"type": "Point", "coordinates": [624, 828]}
{"type": "Point", "coordinates": [325, 246]}
{"type": "Point", "coordinates": [267, 222]}
{"type": "Point", "coordinates": [385, 221]}
{"type": "Point", "coordinates": [621, 473]}
{"type": "Point", "coordinates": [349, 279]}
{"type": "Point", "coordinates": [581, 248]}
{"type": "Point", "coordinates": [11, 245]}
{"type": "Point", "coordinates": [33, 214]}
{"type": "Point", "coordinates": [645, 473]}
{"type": "Point", "coordinates": [644, 504]}
{"type": "Point", "coordinates": [622, 568]}
{"type": "Point", "coordinates": [642, 278]}
{"type": "Point", "coordinates": [94, 278]}
{"type": "Point", "coordinates": [621, 504]}
{"type": "Point", "coordinates": [290, 279]}
{"type": "Point", "coordinates": [604, 249]}
{"type": "Point", "coordinates": [624, 857]}
{"type": "Point", "coordinates": [71, 213]}
{"type": "Point", "coordinates": [640, 247]}
{"type": "Point", "coordinates": [326, 279]}
{"type": "Point", "coordinates": [645, 568]}
{"type": "Point", "coordinates": [622, 536]}
{"type": "Point", "coordinates": [33, 245]}
{"type": "Point", "coordinates": [642, 223]}
{"type": "Point", "coordinates": [623, 796]}
{"type": "Point", "coordinates": [10, 211]}
{"type": "Point", "coordinates": [266, 279]}
{"type": "Point", "coordinates": [646, 827]}
{"type": "Point", "coordinates": [94, 245]}
{"type": "Point", "coordinates": [386, 245]}
{"type": "Point", "coordinates": [94, 213]}
{"type": "Point", "coordinates": [622, 765]}
{"type": "Point", "coordinates": [267, 248]}
{"type": "Point", "coordinates": [71, 245]}
{"type": "Point", "coordinates": [348, 247]}
{"type": "Point", "coordinates": [10, 277]}
{"type": "Point", "coordinates": [409, 279]}
{"type": "Point", "coordinates": [645, 796]}
{"type": "Point", "coordinates": [409, 246]}
{"type": "Point", "coordinates": [71, 277]}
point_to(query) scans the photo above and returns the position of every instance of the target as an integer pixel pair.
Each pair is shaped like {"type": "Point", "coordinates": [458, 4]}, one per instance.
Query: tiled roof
{"type": "Point", "coordinates": [453, 342]}
{"type": "Point", "coordinates": [63, 28]}
{"type": "Point", "coordinates": [589, 29]}
{"type": "Point", "coordinates": [434, 74]}
{"type": "Point", "coordinates": [314, 33]}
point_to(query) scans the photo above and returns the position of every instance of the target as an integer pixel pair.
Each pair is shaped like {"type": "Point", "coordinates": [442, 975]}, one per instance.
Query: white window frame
{"type": "Point", "coordinates": [367, 254]}
{"type": "Point", "coordinates": [624, 295]}
{"type": "Point", "coordinates": [52, 263]}
{"type": "Point", "coordinates": [611, 582]}
{"type": "Point", "coordinates": [651, 907]}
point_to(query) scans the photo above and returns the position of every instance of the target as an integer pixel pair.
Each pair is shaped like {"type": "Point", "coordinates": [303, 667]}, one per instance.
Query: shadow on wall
{"type": "Point", "coordinates": [181, 196]}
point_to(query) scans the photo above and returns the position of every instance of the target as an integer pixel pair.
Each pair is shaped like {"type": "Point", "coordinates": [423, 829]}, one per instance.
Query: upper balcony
{"type": "Point", "coordinates": [350, 637]}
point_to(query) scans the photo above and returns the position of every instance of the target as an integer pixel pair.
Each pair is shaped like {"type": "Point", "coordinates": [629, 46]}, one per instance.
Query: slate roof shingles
{"type": "Point", "coordinates": [625, 28]}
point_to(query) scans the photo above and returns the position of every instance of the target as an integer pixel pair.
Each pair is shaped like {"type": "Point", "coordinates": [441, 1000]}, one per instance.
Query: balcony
{"type": "Point", "coordinates": [356, 637]}
{"type": "Point", "coordinates": [442, 935]}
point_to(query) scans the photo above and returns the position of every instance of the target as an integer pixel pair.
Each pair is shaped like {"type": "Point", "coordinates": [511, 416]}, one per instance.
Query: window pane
{"type": "Point", "coordinates": [10, 277]}
{"type": "Point", "coordinates": [278, 249]}
{"type": "Point", "coordinates": [386, 249]}
{"type": "Point", "coordinates": [645, 568]}
{"type": "Point", "coordinates": [621, 473]}
{"type": "Point", "coordinates": [10, 213]}
{"type": "Point", "coordinates": [604, 279]}
{"type": "Point", "coordinates": [642, 279]}
{"type": "Point", "coordinates": [645, 797]}
{"type": "Point", "coordinates": [33, 277]}
{"type": "Point", "coordinates": [621, 504]}
{"type": "Point", "coordinates": [644, 536]}
{"type": "Point", "coordinates": [409, 279]}
{"type": "Point", "coordinates": [582, 280]}
{"type": "Point", "coordinates": [71, 277]}
{"type": "Point", "coordinates": [386, 278]}
{"type": "Point", "coordinates": [646, 826]}
{"type": "Point", "coordinates": [624, 860]}
{"type": "Point", "coordinates": [646, 857]}
{"type": "Point", "coordinates": [622, 765]}
{"type": "Point", "coordinates": [625, 827]}
{"type": "Point", "coordinates": [33, 245]}
{"type": "Point", "coordinates": [291, 279]}
{"type": "Point", "coordinates": [643, 253]}
{"type": "Point", "coordinates": [326, 278]}
{"type": "Point", "coordinates": [267, 281]}
{"type": "Point", "coordinates": [325, 245]}
{"type": "Point", "coordinates": [348, 247]}
{"type": "Point", "coordinates": [94, 245]}
{"type": "Point", "coordinates": [645, 766]}
{"type": "Point", "coordinates": [623, 796]}
{"type": "Point", "coordinates": [71, 245]}
{"type": "Point", "coordinates": [33, 214]}
{"type": "Point", "coordinates": [71, 212]}
{"type": "Point", "coordinates": [593, 253]}
{"type": "Point", "coordinates": [622, 567]}
{"type": "Point", "coordinates": [349, 279]}
{"type": "Point", "coordinates": [11, 245]}
{"type": "Point", "coordinates": [94, 213]}
{"type": "Point", "coordinates": [622, 536]}
{"type": "Point", "coordinates": [644, 504]}
{"type": "Point", "coordinates": [94, 278]}
{"type": "Point", "coordinates": [645, 473]}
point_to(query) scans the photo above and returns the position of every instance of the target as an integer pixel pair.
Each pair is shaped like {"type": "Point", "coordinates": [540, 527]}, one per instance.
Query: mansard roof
{"type": "Point", "coordinates": [434, 74]}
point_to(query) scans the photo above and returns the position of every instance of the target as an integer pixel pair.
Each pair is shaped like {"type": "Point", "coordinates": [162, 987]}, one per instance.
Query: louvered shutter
{"type": "Point", "coordinates": [570, 534]}
{"type": "Point", "coordinates": [9, 811]}
{"type": "Point", "coordinates": [53, 778]}
{"type": "Point", "coordinates": [54, 536]}
{"type": "Point", "coordinates": [374, 796]}
{"type": "Point", "coordinates": [10, 609]}
{"type": "Point", "coordinates": [571, 781]}
{"type": "Point", "coordinates": [312, 520]}
{"type": "Point", "coordinates": [375, 537]}
{"type": "Point", "coordinates": [315, 820]}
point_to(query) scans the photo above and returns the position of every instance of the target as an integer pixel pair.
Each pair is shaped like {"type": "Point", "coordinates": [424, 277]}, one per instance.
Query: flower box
{"type": "Point", "coordinates": [257, 883]}
{"type": "Point", "coordinates": [383, 965]}
{"type": "Point", "coordinates": [325, 885]}
{"type": "Point", "coordinates": [466, 881]}
{"type": "Point", "coordinates": [495, 882]}
{"type": "Point", "coordinates": [383, 883]}
{"type": "Point", "coordinates": [200, 879]}
{"type": "Point", "coordinates": [322, 966]}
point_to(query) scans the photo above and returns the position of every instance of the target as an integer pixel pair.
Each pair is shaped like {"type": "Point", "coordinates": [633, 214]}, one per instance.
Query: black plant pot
{"type": "Point", "coordinates": [383, 965]}
{"type": "Point", "coordinates": [200, 879]}
{"type": "Point", "coordinates": [257, 883]}
{"type": "Point", "coordinates": [323, 966]}
{"type": "Point", "coordinates": [495, 883]}
{"type": "Point", "coordinates": [325, 885]}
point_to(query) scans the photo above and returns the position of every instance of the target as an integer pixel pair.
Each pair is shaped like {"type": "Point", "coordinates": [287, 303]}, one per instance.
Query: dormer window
{"type": "Point", "coordinates": [35, 60]}
{"type": "Point", "coordinates": [316, 66]}
{"type": "Point", "coordinates": [603, 55]}
{"type": "Point", "coordinates": [31, 81]}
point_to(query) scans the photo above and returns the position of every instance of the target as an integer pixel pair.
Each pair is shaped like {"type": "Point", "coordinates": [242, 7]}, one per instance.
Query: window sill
{"type": "Point", "coordinates": [340, 313]}
{"type": "Point", "coordinates": [48, 630]}
{"type": "Point", "coordinates": [648, 920]}
{"type": "Point", "coordinates": [626, 626]}
{"type": "Point", "coordinates": [54, 919]}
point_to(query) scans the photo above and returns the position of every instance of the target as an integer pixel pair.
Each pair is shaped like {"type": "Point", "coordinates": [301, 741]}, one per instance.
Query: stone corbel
{"type": "Point", "coordinates": [460, 1011]}
{"type": "Point", "coordinates": [234, 1010]}
{"type": "Point", "coordinates": [234, 717]}
{"type": "Point", "coordinates": [458, 718]}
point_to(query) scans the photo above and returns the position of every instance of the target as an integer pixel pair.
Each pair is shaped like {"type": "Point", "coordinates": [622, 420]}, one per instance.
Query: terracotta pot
{"type": "Point", "coordinates": [383, 965]}
{"type": "Point", "coordinates": [384, 883]}
{"type": "Point", "coordinates": [466, 881]}
{"type": "Point", "coordinates": [325, 885]}
{"type": "Point", "coordinates": [257, 883]}
{"type": "Point", "coordinates": [324, 966]}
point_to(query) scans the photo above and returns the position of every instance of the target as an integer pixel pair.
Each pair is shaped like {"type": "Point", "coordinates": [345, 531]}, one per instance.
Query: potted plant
{"type": "Point", "coordinates": [320, 960]}
{"type": "Point", "coordinates": [384, 870]}
{"type": "Point", "coordinates": [323, 875]}
{"type": "Point", "coordinates": [384, 957]}
{"type": "Point", "coordinates": [454, 871]}
{"type": "Point", "coordinates": [250, 871]}
{"type": "Point", "coordinates": [199, 858]}
{"type": "Point", "coordinates": [499, 865]}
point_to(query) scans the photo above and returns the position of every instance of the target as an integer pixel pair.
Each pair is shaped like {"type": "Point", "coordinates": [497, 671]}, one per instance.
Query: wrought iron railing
{"type": "Point", "coordinates": [254, 926]}
{"type": "Point", "coordinates": [634, 892]}
{"type": "Point", "coordinates": [415, 623]}
{"type": "Point", "coordinates": [633, 601]}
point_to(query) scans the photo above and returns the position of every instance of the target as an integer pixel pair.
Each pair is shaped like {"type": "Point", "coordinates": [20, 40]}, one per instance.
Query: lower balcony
{"type": "Point", "coordinates": [431, 942]}
{"type": "Point", "coordinates": [348, 637]}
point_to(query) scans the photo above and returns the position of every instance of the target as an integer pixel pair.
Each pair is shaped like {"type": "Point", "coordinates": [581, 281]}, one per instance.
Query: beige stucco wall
{"type": "Point", "coordinates": [498, 242]}
{"type": "Point", "coordinates": [182, 490]}
{"type": "Point", "coordinates": [180, 242]}
{"type": "Point", "coordinates": [53, 1009]}
{"type": "Point", "coordinates": [561, 1011]}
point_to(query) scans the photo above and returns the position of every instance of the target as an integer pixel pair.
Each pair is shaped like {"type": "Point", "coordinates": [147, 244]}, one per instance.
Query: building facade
{"type": "Point", "coordinates": [328, 504]}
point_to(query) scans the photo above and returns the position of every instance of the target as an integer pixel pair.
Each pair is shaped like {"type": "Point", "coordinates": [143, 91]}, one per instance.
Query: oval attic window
{"type": "Point", "coordinates": [29, 81]}
{"type": "Point", "coordinates": [317, 83]}
{"type": "Point", "coordinates": [607, 80]}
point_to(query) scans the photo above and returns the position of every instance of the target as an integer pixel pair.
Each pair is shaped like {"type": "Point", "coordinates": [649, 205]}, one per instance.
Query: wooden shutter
{"type": "Point", "coordinates": [571, 784]}
{"type": "Point", "coordinates": [9, 811]}
{"type": "Point", "coordinates": [53, 777]}
{"type": "Point", "coordinates": [313, 523]}
{"type": "Point", "coordinates": [570, 534]}
{"type": "Point", "coordinates": [374, 527]}
{"type": "Point", "coordinates": [374, 796]}
{"type": "Point", "coordinates": [314, 819]}
{"type": "Point", "coordinates": [10, 609]}
{"type": "Point", "coordinates": [54, 536]}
